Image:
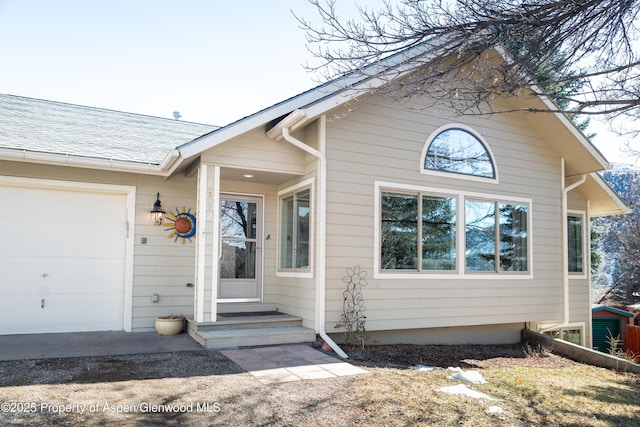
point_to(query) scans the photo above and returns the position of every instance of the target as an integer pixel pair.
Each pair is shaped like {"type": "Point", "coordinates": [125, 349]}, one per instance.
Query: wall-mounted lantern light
{"type": "Point", "coordinates": [157, 214]}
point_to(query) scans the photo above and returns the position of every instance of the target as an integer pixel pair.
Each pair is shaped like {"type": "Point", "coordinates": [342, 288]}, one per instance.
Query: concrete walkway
{"type": "Point", "coordinates": [84, 344]}
{"type": "Point", "coordinates": [271, 364]}
{"type": "Point", "coordinates": [286, 363]}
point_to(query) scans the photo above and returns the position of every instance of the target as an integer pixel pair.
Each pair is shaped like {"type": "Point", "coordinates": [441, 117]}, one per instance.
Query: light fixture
{"type": "Point", "coordinates": [247, 175]}
{"type": "Point", "coordinates": [157, 214]}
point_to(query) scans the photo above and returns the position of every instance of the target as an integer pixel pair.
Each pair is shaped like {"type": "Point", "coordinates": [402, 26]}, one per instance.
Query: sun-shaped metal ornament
{"type": "Point", "coordinates": [182, 225]}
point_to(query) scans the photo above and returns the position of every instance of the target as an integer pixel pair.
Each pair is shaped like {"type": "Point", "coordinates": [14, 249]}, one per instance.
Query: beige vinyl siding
{"type": "Point", "coordinates": [162, 265]}
{"type": "Point", "coordinates": [379, 142]}
{"type": "Point", "coordinates": [255, 151]}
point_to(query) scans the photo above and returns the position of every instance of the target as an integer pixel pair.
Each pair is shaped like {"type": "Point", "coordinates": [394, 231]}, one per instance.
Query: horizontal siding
{"type": "Point", "coordinates": [379, 142]}
{"type": "Point", "coordinates": [257, 152]}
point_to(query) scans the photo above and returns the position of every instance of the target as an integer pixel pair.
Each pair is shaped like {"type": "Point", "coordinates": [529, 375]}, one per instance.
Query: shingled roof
{"type": "Point", "coordinates": [42, 126]}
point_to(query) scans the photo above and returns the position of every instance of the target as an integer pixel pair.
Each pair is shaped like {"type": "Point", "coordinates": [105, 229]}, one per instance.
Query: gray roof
{"type": "Point", "coordinates": [58, 128]}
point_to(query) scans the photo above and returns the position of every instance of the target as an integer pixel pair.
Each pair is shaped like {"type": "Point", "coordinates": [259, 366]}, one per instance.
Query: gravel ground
{"type": "Point", "coordinates": [206, 388]}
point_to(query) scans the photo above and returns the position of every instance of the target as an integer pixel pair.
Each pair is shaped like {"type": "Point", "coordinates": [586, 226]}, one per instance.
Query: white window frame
{"type": "Point", "coordinates": [459, 273]}
{"type": "Point", "coordinates": [446, 174]}
{"type": "Point", "coordinates": [585, 262]}
{"type": "Point", "coordinates": [306, 273]}
{"type": "Point", "coordinates": [581, 326]}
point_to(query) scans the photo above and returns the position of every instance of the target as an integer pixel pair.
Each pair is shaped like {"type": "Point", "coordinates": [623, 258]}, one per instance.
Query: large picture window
{"type": "Point", "coordinates": [430, 232]}
{"type": "Point", "coordinates": [295, 221]}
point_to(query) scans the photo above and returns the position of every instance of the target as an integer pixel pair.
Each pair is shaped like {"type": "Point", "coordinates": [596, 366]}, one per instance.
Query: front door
{"type": "Point", "coordinates": [241, 249]}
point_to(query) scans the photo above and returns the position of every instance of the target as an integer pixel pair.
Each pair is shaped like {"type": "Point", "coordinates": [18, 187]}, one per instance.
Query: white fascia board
{"type": "Point", "coordinates": [78, 161]}
{"type": "Point", "coordinates": [171, 157]}
{"type": "Point", "coordinates": [624, 209]}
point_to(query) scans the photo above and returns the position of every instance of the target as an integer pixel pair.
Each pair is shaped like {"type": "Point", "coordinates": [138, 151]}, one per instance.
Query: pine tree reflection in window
{"type": "Point", "coordinates": [459, 151]}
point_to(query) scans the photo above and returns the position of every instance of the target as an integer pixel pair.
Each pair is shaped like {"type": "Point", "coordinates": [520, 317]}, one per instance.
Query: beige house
{"type": "Point", "coordinates": [468, 228]}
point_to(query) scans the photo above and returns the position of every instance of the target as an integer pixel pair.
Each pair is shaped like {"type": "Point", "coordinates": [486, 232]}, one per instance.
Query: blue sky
{"type": "Point", "coordinates": [214, 61]}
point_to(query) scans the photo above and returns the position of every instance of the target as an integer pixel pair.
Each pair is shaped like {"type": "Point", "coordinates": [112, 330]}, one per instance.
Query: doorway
{"type": "Point", "coordinates": [240, 249]}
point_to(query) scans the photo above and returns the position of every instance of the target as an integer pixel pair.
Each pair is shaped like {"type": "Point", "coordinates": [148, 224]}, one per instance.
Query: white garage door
{"type": "Point", "coordinates": [62, 260]}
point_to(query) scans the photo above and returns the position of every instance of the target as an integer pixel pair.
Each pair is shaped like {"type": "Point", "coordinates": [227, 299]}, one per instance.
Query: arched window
{"type": "Point", "coordinates": [459, 150]}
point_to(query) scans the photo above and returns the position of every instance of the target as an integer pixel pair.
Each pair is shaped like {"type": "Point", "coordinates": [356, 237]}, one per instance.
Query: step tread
{"type": "Point", "coordinates": [255, 331]}
{"type": "Point", "coordinates": [234, 338]}
{"type": "Point", "coordinates": [244, 322]}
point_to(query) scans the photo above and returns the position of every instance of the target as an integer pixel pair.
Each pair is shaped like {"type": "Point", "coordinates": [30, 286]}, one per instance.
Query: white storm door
{"type": "Point", "coordinates": [240, 249]}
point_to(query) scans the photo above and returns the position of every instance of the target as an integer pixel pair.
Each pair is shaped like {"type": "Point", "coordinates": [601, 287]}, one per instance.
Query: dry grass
{"type": "Point", "coordinates": [539, 390]}
{"type": "Point", "coordinates": [579, 395]}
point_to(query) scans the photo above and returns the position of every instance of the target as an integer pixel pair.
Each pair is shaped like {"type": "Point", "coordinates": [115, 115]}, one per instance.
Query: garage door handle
{"type": "Point", "coordinates": [42, 303]}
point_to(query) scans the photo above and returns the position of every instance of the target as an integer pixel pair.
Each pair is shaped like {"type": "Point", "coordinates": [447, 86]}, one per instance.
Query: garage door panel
{"type": "Point", "coordinates": [67, 248]}
{"type": "Point", "coordinates": [60, 275]}
{"type": "Point", "coordinates": [88, 314]}
{"type": "Point", "coordinates": [108, 241]}
{"type": "Point", "coordinates": [41, 203]}
{"type": "Point", "coordinates": [63, 238]}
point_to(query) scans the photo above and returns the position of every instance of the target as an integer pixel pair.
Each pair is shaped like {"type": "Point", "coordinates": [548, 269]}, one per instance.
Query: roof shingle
{"type": "Point", "coordinates": [59, 128]}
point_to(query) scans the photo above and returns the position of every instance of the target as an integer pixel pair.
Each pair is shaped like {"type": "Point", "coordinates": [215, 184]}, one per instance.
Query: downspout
{"type": "Point", "coordinates": [321, 238]}
{"type": "Point", "coordinates": [565, 245]}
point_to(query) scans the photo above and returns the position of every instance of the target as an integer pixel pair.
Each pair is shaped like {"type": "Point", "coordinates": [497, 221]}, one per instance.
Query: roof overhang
{"type": "Point", "coordinates": [566, 139]}
{"type": "Point", "coordinates": [55, 159]}
{"type": "Point", "coordinates": [603, 200]}
{"type": "Point", "coordinates": [314, 102]}
{"type": "Point", "coordinates": [611, 310]}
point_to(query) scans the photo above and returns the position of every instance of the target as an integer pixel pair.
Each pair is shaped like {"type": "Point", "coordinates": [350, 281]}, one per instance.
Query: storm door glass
{"type": "Point", "coordinates": [238, 231]}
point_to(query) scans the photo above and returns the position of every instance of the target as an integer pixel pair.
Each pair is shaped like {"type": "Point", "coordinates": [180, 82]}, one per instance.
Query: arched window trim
{"type": "Point", "coordinates": [468, 129]}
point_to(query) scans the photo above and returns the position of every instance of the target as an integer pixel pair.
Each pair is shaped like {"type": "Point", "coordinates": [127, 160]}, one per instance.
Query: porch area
{"type": "Point", "coordinates": [249, 329]}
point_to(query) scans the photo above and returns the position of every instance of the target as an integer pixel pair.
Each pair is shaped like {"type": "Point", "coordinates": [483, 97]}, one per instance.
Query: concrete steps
{"type": "Point", "coordinates": [249, 331]}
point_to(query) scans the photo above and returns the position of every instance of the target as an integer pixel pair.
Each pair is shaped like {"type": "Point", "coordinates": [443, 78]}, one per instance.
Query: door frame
{"type": "Point", "coordinates": [259, 199]}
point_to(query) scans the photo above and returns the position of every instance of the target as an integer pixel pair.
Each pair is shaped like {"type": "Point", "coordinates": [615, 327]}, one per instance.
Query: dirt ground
{"type": "Point", "coordinates": [205, 388]}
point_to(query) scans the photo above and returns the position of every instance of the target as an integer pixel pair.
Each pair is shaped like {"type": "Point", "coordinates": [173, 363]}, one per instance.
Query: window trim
{"type": "Point", "coordinates": [485, 144]}
{"type": "Point", "coordinates": [306, 273]}
{"type": "Point", "coordinates": [585, 262]}
{"type": "Point", "coordinates": [581, 326]}
{"type": "Point", "coordinates": [459, 272]}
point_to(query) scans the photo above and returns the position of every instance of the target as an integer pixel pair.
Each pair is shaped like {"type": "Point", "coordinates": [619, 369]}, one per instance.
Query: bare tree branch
{"type": "Point", "coordinates": [587, 50]}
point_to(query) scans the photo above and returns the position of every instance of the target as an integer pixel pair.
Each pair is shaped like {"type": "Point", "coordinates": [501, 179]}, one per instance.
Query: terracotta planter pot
{"type": "Point", "coordinates": [169, 326]}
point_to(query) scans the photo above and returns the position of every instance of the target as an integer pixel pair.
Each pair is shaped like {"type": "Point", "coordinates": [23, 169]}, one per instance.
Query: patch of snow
{"type": "Point", "coordinates": [473, 377]}
{"type": "Point", "coordinates": [463, 390]}
{"type": "Point", "coordinates": [425, 368]}
{"type": "Point", "coordinates": [494, 410]}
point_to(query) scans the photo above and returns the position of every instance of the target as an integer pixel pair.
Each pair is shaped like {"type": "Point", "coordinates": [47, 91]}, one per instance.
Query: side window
{"type": "Point", "coordinates": [575, 227]}
{"type": "Point", "coordinates": [460, 151]}
{"type": "Point", "coordinates": [295, 220]}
